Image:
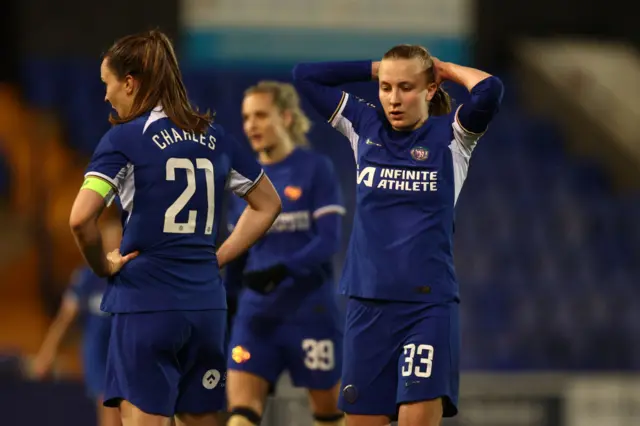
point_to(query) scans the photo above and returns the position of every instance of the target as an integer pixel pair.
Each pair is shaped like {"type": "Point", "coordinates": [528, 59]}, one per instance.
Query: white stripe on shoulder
{"type": "Point", "coordinates": [331, 208]}
{"type": "Point", "coordinates": [345, 126]}
{"type": "Point", "coordinates": [156, 114]}
{"type": "Point", "coordinates": [465, 139]}
{"type": "Point", "coordinates": [338, 113]}
{"type": "Point", "coordinates": [241, 185]}
{"type": "Point", "coordinates": [127, 188]}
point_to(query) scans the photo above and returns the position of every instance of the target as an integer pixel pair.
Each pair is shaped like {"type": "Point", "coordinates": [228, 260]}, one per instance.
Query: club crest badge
{"type": "Point", "coordinates": [293, 193]}
{"type": "Point", "coordinates": [419, 153]}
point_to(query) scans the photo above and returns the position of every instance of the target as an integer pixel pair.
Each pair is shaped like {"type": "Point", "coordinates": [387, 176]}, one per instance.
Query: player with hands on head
{"type": "Point", "coordinates": [169, 165]}
{"type": "Point", "coordinates": [287, 316]}
{"type": "Point", "coordinates": [401, 347]}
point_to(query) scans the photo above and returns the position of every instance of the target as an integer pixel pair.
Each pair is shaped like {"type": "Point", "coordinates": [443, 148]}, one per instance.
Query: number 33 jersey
{"type": "Point", "coordinates": [170, 184]}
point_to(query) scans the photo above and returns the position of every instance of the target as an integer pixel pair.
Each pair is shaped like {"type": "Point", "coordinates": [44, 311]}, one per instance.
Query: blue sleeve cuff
{"type": "Point", "coordinates": [486, 97]}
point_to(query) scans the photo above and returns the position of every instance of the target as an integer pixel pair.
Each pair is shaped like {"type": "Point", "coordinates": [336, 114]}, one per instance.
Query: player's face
{"type": "Point", "coordinates": [120, 93]}
{"type": "Point", "coordinates": [404, 92]}
{"type": "Point", "coordinates": [264, 124]}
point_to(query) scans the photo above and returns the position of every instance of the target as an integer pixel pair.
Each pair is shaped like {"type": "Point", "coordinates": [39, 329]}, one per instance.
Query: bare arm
{"type": "Point", "coordinates": [57, 330]}
{"type": "Point", "coordinates": [83, 221]}
{"type": "Point", "coordinates": [263, 208]}
{"type": "Point", "coordinates": [486, 95]}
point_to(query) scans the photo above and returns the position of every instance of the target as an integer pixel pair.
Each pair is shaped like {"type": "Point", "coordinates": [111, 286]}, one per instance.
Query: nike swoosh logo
{"type": "Point", "coordinates": [370, 142]}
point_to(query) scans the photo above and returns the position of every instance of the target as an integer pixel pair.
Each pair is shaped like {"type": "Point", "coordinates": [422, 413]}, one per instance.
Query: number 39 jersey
{"type": "Point", "coordinates": [170, 183]}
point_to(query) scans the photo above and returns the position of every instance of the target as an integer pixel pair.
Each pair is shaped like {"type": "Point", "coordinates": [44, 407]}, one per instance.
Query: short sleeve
{"type": "Point", "coordinates": [245, 171]}
{"type": "Point", "coordinates": [109, 162]}
{"type": "Point", "coordinates": [465, 141]}
{"type": "Point", "coordinates": [351, 118]}
{"type": "Point", "coordinates": [327, 195]}
{"type": "Point", "coordinates": [462, 147]}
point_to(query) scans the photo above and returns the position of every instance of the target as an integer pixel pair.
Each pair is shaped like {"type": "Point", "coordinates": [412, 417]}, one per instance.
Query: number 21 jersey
{"type": "Point", "coordinates": [170, 183]}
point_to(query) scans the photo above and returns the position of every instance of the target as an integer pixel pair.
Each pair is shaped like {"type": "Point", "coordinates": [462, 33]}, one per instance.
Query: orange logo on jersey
{"type": "Point", "coordinates": [293, 192]}
{"type": "Point", "coordinates": [240, 355]}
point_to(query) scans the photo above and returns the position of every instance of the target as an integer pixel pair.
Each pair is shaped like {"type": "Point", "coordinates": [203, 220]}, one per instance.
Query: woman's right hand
{"type": "Point", "coordinates": [439, 70]}
{"type": "Point", "coordinates": [117, 260]}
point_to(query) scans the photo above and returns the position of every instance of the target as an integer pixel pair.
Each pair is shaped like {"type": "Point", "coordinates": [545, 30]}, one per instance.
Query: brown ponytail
{"type": "Point", "coordinates": [150, 59]}
{"type": "Point", "coordinates": [440, 104]}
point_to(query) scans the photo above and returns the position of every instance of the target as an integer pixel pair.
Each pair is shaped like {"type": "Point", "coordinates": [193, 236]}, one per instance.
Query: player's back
{"type": "Point", "coordinates": [308, 188]}
{"type": "Point", "coordinates": [170, 185]}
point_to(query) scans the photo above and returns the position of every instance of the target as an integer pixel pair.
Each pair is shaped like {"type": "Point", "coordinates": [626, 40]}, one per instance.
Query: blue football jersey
{"type": "Point", "coordinates": [310, 192]}
{"type": "Point", "coordinates": [87, 289]}
{"type": "Point", "coordinates": [171, 184]}
{"type": "Point", "coordinates": [401, 246]}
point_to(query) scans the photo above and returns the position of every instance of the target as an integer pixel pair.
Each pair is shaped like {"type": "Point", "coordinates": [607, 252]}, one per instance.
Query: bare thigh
{"type": "Point", "coordinates": [365, 420]}
{"type": "Point", "coordinates": [325, 401]}
{"type": "Point", "coordinates": [208, 419]}
{"type": "Point", "coordinates": [107, 416]}
{"type": "Point", "coordinates": [246, 390]}
{"type": "Point", "coordinates": [422, 413]}
{"type": "Point", "coordinates": [133, 416]}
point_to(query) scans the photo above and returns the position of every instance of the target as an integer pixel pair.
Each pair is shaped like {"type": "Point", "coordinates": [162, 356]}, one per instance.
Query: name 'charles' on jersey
{"type": "Point", "coordinates": [407, 187]}
{"type": "Point", "coordinates": [171, 185]}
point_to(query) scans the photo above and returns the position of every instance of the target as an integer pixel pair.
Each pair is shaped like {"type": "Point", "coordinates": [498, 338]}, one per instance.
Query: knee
{"type": "Point", "coordinates": [325, 409]}
{"type": "Point", "coordinates": [329, 419]}
{"type": "Point", "coordinates": [247, 402]}
{"type": "Point", "coordinates": [246, 391]}
{"type": "Point", "coordinates": [325, 402]}
{"type": "Point", "coordinates": [244, 416]}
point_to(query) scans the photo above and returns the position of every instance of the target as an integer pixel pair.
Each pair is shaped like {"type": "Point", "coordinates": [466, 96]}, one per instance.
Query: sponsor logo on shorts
{"type": "Point", "coordinates": [240, 355]}
{"type": "Point", "coordinates": [211, 379]}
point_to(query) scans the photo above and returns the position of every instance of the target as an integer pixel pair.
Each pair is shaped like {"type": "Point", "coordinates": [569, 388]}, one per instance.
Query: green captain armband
{"type": "Point", "coordinates": [100, 186]}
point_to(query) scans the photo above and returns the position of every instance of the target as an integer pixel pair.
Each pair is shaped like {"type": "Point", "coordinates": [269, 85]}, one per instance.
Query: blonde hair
{"type": "Point", "coordinates": [285, 98]}
{"type": "Point", "coordinates": [441, 102]}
